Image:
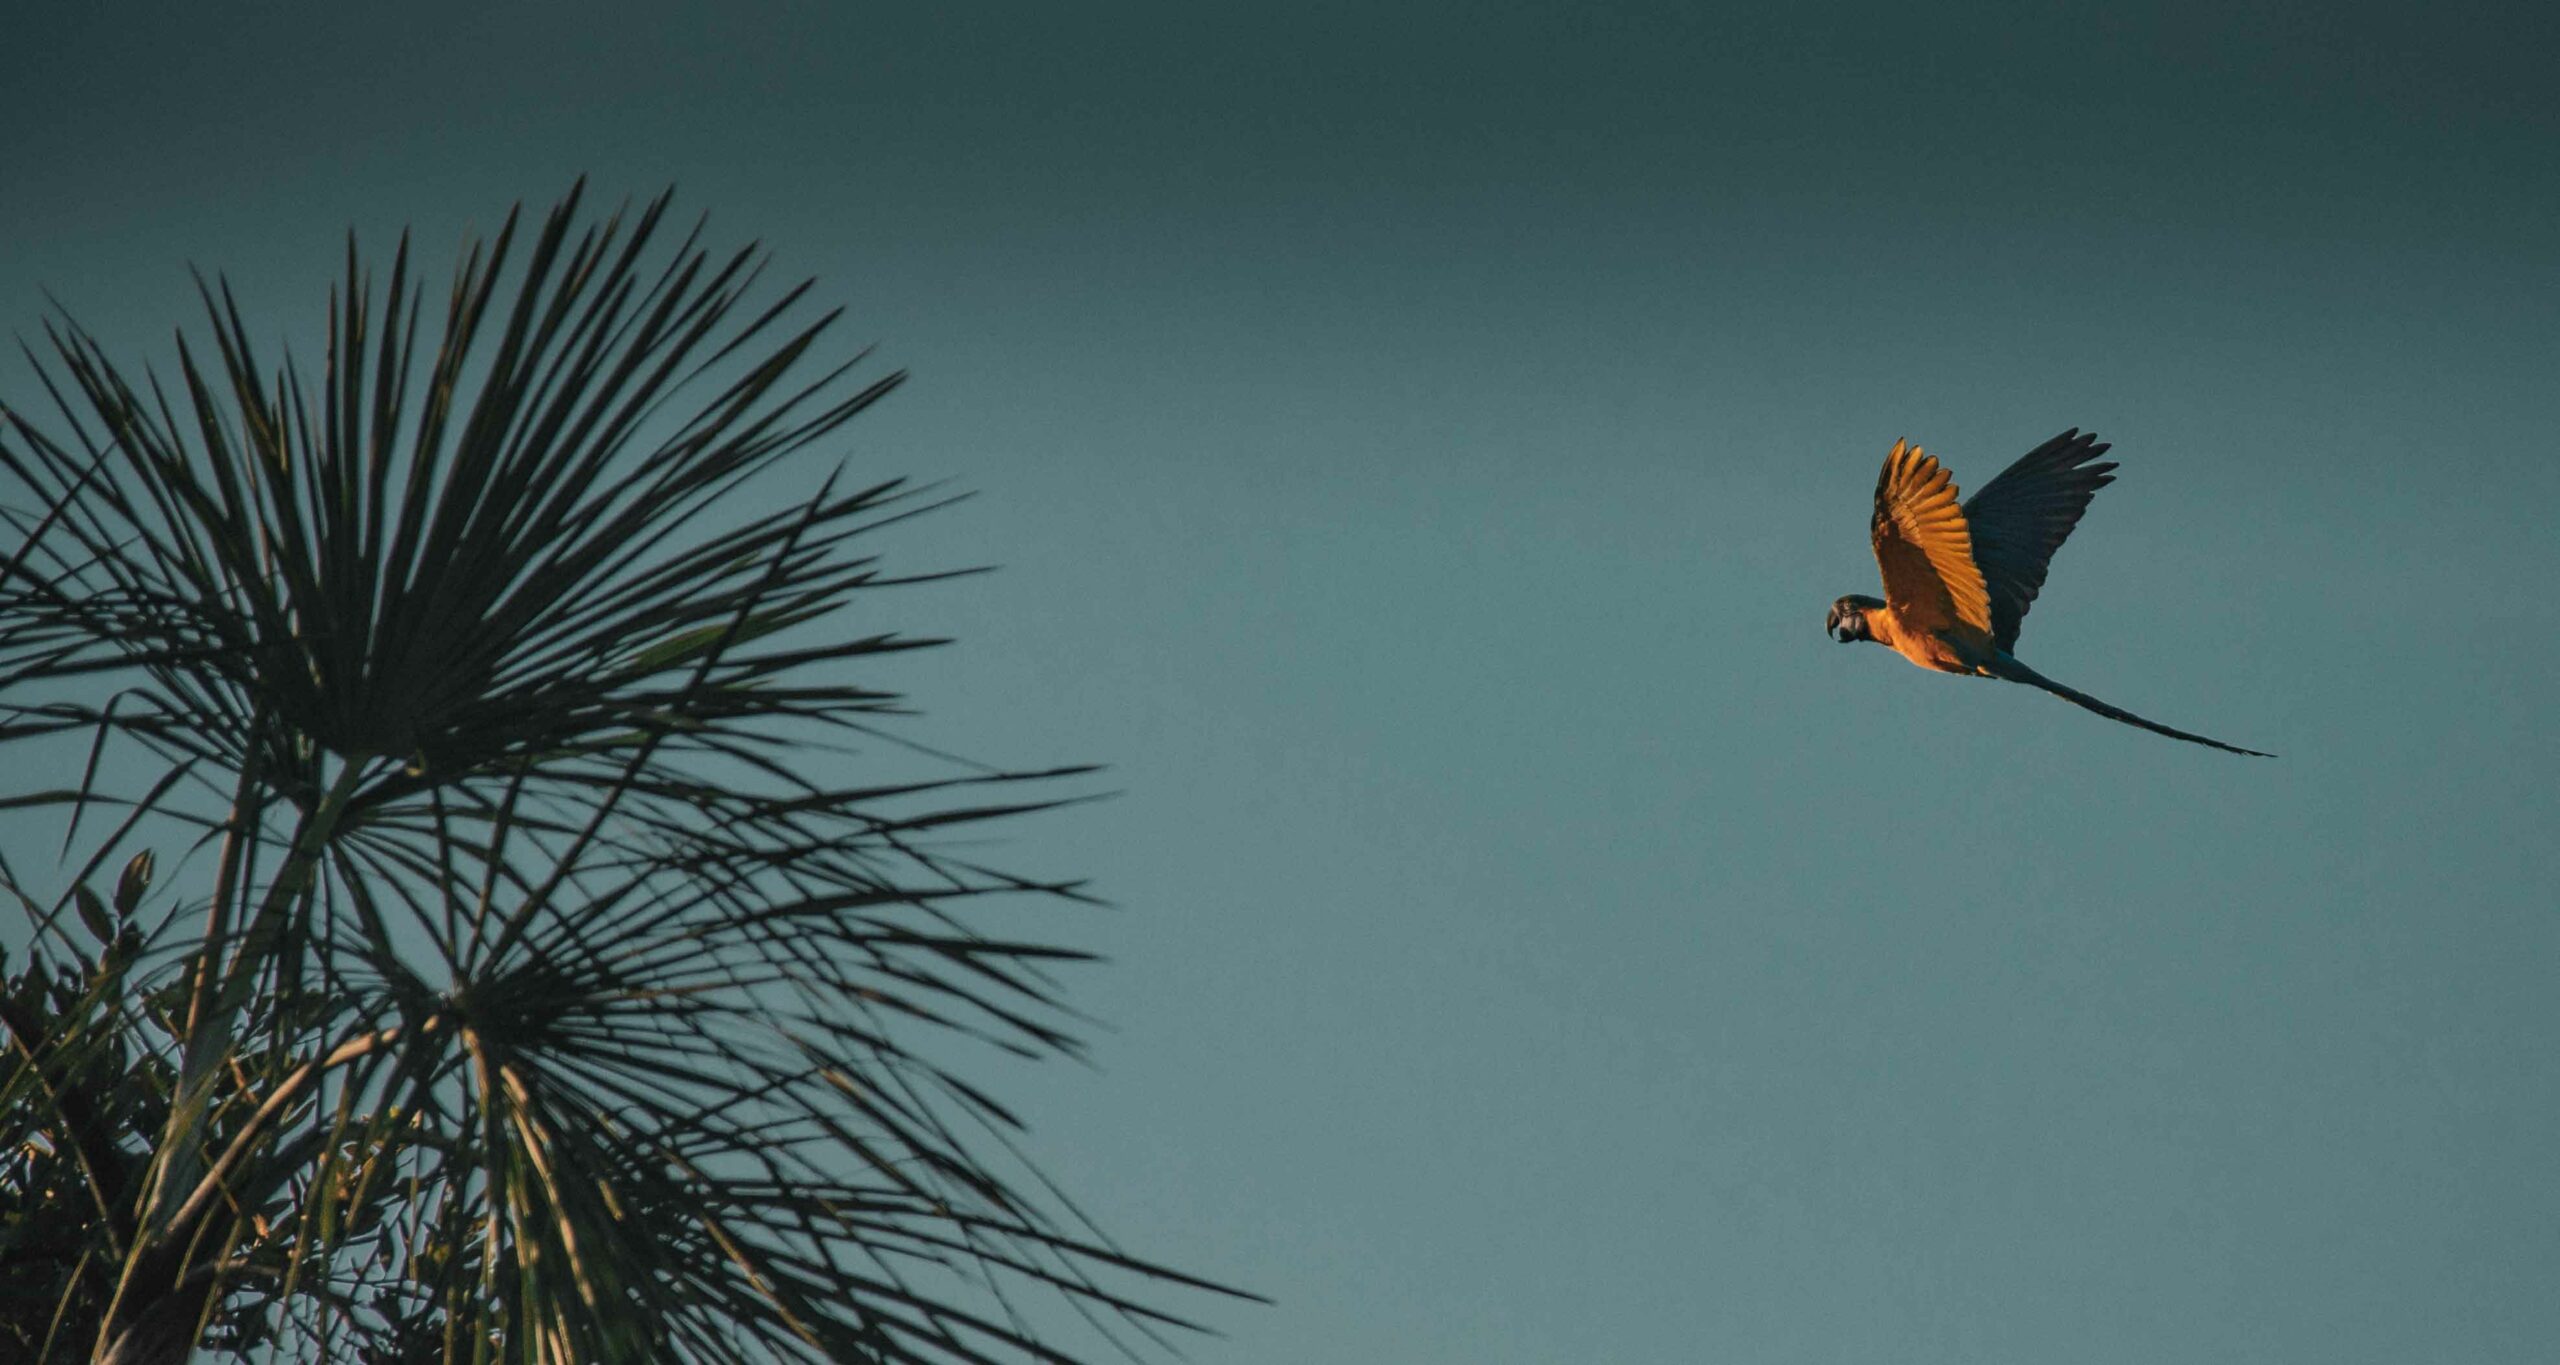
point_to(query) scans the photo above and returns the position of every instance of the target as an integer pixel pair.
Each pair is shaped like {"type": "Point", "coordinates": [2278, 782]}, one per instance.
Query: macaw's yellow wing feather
{"type": "Point", "coordinates": [1925, 548]}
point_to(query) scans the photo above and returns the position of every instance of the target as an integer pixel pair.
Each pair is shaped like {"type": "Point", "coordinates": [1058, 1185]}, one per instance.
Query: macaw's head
{"type": "Point", "coordinates": [1848, 622]}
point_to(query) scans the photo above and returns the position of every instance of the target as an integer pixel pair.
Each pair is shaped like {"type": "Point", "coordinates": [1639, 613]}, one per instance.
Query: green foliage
{"type": "Point", "coordinates": [514, 992]}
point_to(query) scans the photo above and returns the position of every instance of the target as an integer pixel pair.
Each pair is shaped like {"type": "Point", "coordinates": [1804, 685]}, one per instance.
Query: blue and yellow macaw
{"type": "Point", "coordinates": [1958, 578]}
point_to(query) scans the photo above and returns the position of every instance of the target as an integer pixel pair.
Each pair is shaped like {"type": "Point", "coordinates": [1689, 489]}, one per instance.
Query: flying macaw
{"type": "Point", "coordinates": [1959, 579]}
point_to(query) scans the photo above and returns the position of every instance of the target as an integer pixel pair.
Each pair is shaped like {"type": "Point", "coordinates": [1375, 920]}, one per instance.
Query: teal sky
{"type": "Point", "coordinates": [1422, 442]}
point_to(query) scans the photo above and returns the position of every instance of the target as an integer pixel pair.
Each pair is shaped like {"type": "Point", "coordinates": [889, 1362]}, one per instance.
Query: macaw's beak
{"type": "Point", "coordinates": [1842, 632]}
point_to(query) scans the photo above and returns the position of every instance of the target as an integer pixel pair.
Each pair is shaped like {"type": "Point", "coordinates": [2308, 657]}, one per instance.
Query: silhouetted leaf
{"type": "Point", "coordinates": [133, 883]}
{"type": "Point", "coordinates": [93, 913]}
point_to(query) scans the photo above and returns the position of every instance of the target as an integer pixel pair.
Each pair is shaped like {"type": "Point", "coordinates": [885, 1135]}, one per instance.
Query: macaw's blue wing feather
{"type": "Point", "coordinates": [2020, 518]}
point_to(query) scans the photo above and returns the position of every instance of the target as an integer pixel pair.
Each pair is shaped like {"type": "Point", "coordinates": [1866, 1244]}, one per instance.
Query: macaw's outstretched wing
{"type": "Point", "coordinates": [1924, 548]}
{"type": "Point", "coordinates": [2006, 667]}
{"type": "Point", "coordinates": [2022, 517]}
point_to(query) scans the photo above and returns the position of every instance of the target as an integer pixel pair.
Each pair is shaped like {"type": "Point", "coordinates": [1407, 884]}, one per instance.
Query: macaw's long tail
{"type": "Point", "coordinates": [2016, 672]}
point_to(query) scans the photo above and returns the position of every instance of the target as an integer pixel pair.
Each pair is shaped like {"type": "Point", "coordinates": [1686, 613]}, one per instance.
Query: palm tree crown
{"type": "Point", "coordinates": [530, 1000]}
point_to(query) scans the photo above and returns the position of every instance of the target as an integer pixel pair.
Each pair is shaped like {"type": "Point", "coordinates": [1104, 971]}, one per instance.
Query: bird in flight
{"type": "Point", "coordinates": [1958, 579]}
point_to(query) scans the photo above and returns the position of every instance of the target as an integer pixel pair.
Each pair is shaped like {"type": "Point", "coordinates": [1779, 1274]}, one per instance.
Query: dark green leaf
{"type": "Point", "coordinates": [93, 913]}
{"type": "Point", "coordinates": [133, 883]}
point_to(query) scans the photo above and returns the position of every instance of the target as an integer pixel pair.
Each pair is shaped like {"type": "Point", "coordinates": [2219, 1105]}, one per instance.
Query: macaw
{"type": "Point", "coordinates": [1958, 579]}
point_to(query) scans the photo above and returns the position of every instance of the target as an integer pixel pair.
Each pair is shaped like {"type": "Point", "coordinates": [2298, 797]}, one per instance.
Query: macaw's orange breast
{"type": "Point", "coordinates": [1947, 651]}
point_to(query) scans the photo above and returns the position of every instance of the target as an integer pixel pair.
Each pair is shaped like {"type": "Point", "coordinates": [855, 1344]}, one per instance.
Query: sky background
{"type": "Point", "coordinates": [1422, 442]}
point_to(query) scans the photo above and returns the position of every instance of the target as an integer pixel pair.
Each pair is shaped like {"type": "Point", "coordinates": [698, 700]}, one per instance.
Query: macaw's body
{"type": "Point", "coordinates": [1960, 649]}
{"type": "Point", "coordinates": [1958, 578]}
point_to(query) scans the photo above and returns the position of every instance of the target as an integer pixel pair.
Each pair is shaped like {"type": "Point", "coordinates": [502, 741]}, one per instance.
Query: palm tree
{"type": "Point", "coordinates": [514, 992]}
